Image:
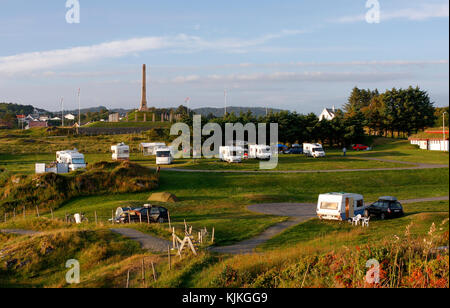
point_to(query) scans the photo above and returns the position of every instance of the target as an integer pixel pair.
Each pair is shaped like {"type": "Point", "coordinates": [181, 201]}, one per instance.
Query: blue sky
{"type": "Point", "coordinates": [296, 55]}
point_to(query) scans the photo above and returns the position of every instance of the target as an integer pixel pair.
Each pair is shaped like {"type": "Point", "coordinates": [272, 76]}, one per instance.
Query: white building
{"type": "Point", "coordinates": [432, 140]}
{"type": "Point", "coordinates": [69, 117]}
{"type": "Point", "coordinates": [328, 114]}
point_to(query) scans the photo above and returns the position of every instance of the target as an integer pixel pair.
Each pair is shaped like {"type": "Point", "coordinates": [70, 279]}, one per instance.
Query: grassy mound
{"type": "Point", "coordinates": [51, 190]}
{"type": "Point", "coordinates": [163, 197]}
{"type": "Point", "coordinates": [39, 261]}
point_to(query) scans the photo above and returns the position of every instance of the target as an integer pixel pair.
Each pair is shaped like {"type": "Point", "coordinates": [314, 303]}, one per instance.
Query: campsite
{"type": "Point", "coordinates": [209, 194]}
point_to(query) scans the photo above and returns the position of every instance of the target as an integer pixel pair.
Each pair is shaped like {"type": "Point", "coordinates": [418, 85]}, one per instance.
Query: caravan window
{"type": "Point", "coordinates": [359, 203]}
{"type": "Point", "coordinates": [77, 161]}
{"type": "Point", "coordinates": [329, 205]}
{"type": "Point", "coordinates": [163, 154]}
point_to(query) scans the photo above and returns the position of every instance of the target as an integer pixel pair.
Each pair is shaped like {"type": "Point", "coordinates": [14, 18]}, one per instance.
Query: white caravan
{"type": "Point", "coordinates": [313, 150]}
{"type": "Point", "coordinates": [72, 158]}
{"type": "Point", "coordinates": [150, 148]}
{"type": "Point", "coordinates": [340, 206]}
{"type": "Point", "coordinates": [231, 154]}
{"type": "Point", "coordinates": [164, 156]}
{"type": "Point", "coordinates": [120, 151]}
{"type": "Point", "coordinates": [262, 152]}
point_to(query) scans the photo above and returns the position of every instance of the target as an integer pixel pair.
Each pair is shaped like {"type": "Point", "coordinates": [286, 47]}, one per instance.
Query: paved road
{"type": "Point", "coordinates": [412, 166]}
{"type": "Point", "coordinates": [298, 212]}
{"type": "Point", "coordinates": [147, 241]}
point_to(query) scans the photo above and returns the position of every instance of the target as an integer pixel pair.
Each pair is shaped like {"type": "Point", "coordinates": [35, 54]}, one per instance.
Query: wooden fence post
{"type": "Point", "coordinates": [143, 273]}
{"type": "Point", "coordinates": [154, 273]}
{"type": "Point", "coordinates": [140, 218]}
{"type": "Point", "coordinates": [95, 213]}
{"type": "Point", "coordinates": [5, 218]}
{"type": "Point", "coordinates": [24, 210]}
{"type": "Point", "coordinates": [212, 237]}
{"type": "Point", "coordinates": [37, 210]}
{"type": "Point", "coordinates": [170, 226]}
{"type": "Point", "coordinates": [51, 212]}
{"type": "Point", "coordinates": [128, 279]}
{"type": "Point", "coordinates": [168, 255]}
{"type": "Point", "coordinates": [14, 212]}
{"type": "Point", "coordinates": [112, 217]}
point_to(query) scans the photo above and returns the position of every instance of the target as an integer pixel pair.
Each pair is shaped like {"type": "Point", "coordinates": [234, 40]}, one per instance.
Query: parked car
{"type": "Point", "coordinates": [295, 150]}
{"type": "Point", "coordinates": [147, 213]}
{"type": "Point", "coordinates": [385, 207]}
{"type": "Point", "coordinates": [360, 147]}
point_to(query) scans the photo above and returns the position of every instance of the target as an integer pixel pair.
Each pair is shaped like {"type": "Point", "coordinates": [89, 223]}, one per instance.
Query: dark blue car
{"type": "Point", "coordinates": [297, 150]}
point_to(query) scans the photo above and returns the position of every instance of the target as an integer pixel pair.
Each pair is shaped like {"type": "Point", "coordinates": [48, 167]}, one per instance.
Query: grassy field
{"type": "Point", "coordinates": [220, 201]}
{"type": "Point", "coordinates": [402, 150]}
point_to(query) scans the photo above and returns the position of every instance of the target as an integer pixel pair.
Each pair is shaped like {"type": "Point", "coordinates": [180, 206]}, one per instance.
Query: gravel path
{"type": "Point", "coordinates": [19, 232]}
{"type": "Point", "coordinates": [298, 212]}
{"type": "Point", "coordinates": [147, 241]}
{"type": "Point", "coordinates": [412, 166]}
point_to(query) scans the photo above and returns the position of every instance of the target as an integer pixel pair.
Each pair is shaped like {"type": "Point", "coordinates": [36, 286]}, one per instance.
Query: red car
{"type": "Point", "coordinates": [360, 147]}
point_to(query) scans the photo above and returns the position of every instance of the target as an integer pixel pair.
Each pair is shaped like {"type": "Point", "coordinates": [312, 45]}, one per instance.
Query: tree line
{"type": "Point", "coordinates": [395, 113]}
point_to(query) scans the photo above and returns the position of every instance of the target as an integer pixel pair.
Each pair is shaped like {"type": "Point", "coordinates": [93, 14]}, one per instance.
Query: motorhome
{"type": "Point", "coordinates": [149, 149]}
{"type": "Point", "coordinates": [340, 206]}
{"type": "Point", "coordinates": [231, 154]}
{"type": "Point", "coordinates": [120, 151]}
{"type": "Point", "coordinates": [164, 156]}
{"type": "Point", "coordinates": [262, 152]}
{"type": "Point", "coordinates": [72, 158]}
{"type": "Point", "coordinates": [313, 150]}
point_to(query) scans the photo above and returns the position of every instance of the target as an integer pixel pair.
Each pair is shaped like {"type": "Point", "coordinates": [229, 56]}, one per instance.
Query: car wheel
{"type": "Point", "coordinates": [383, 216]}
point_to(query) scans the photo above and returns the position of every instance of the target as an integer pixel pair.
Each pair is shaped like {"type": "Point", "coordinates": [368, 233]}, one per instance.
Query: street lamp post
{"type": "Point", "coordinates": [443, 129]}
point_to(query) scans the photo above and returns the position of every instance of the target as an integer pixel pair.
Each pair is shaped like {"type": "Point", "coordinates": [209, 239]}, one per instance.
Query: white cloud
{"type": "Point", "coordinates": [33, 61]}
{"type": "Point", "coordinates": [423, 12]}
{"type": "Point", "coordinates": [293, 77]}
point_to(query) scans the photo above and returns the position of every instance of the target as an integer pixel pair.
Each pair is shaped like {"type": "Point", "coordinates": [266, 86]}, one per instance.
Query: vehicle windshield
{"type": "Point", "coordinates": [329, 205]}
{"type": "Point", "coordinates": [236, 153]}
{"type": "Point", "coordinates": [77, 161]}
{"type": "Point", "coordinates": [163, 154]}
{"type": "Point", "coordinates": [317, 150]}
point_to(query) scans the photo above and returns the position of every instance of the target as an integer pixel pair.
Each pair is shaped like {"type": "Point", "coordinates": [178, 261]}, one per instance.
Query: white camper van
{"type": "Point", "coordinates": [120, 151]}
{"type": "Point", "coordinates": [231, 154]}
{"type": "Point", "coordinates": [262, 152]}
{"type": "Point", "coordinates": [149, 149]}
{"type": "Point", "coordinates": [72, 158]}
{"type": "Point", "coordinates": [164, 156]}
{"type": "Point", "coordinates": [340, 206]}
{"type": "Point", "coordinates": [313, 150]}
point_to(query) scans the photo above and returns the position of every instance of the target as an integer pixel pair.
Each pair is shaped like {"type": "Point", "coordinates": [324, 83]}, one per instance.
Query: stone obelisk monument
{"type": "Point", "coordinates": [144, 90]}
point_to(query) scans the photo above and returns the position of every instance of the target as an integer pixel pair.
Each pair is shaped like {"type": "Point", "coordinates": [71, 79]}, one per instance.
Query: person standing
{"type": "Point", "coordinates": [344, 150]}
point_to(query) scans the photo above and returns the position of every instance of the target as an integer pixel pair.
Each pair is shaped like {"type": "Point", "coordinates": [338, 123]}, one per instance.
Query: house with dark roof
{"type": "Point", "coordinates": [328, 114]}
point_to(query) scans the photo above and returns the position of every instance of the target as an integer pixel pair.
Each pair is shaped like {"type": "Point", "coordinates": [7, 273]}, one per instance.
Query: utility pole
{"type": "Point", "coordinates": [225, 102]}
{"type": "Point", "coordinates": [79, 108]}
{"type": "Point", "coordinates": [62, 111]}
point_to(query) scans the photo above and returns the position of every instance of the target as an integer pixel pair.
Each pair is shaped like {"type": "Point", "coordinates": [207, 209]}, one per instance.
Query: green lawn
{"type": "Point", "coordinates": [402, 150]}
{"type": "Point", "coordinates": [220, 200]}
{"type": "Point", "coordinates": [331, 234]}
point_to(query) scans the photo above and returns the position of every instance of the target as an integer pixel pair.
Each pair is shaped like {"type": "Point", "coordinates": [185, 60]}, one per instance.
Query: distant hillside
{"type": "Point", "coordinates": [218, 112]}
{"type": "Point", "coordinates": [98, 109]}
